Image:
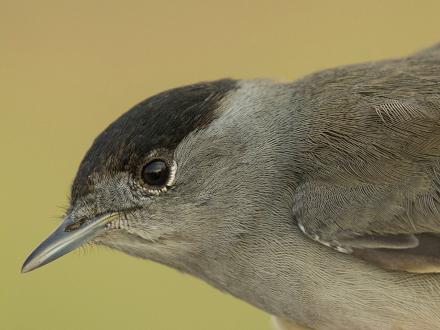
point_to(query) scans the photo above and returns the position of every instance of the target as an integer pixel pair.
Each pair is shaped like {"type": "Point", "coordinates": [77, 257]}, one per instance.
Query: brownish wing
{"type": "Point", "coordinates": [373, 184]}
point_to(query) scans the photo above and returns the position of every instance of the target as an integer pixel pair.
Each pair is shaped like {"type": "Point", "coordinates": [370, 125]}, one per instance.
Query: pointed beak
{"type": "Point", "coordinates": [67, 237]}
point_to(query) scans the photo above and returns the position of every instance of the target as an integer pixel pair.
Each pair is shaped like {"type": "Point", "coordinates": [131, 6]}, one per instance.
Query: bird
{"type": "Point", "coordinates": [316, 200]}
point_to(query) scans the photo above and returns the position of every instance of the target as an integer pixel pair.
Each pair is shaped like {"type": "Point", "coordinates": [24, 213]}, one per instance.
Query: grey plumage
{"type": "Point", "coordinates": [347, 157]}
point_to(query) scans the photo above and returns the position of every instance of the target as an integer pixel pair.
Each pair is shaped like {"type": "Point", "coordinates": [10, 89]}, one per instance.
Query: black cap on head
{"type": "Point", "coordinates": [161, 121]}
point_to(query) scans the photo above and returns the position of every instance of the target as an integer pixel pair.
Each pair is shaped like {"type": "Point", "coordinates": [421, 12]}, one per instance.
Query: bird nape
{"type": "Point", "coordinates": [316, 200]}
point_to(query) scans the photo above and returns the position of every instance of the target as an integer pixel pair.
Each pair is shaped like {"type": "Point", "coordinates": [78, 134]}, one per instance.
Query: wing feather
{"type": "Point", "coordinates": [373, 179]}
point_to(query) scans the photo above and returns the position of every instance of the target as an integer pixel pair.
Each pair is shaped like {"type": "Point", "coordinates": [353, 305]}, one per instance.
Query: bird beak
{"type": "Point", "coordinates": [67, 237]}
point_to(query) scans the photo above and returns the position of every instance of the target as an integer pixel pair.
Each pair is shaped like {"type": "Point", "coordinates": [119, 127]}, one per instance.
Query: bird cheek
{"type": "Point", "coordinates": [119, 224]}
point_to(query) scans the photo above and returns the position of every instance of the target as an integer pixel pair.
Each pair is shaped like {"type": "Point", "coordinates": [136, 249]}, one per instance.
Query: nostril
{"type": "Point", "coordinates": [75, 226]}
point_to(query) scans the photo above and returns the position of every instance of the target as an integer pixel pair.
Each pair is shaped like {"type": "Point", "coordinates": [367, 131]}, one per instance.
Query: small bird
{"type": "Point", "coordinates": [316, 200]}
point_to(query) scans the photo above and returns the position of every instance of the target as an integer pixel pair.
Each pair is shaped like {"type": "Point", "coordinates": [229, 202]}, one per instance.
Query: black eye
{"type": "Point", "coordinates": [156, 173]}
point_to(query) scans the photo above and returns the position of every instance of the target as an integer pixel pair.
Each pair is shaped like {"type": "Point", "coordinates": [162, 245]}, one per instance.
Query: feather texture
{"type": "Point", "coordinates": [374, 155]}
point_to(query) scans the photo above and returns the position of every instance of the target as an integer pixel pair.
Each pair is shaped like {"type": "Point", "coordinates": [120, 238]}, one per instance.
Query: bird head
{"type": "Point", "coordinates": [169, 179]}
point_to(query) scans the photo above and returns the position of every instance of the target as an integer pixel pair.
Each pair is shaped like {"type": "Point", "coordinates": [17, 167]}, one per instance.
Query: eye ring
{"type": "Point", "coordinates": [156, 173]}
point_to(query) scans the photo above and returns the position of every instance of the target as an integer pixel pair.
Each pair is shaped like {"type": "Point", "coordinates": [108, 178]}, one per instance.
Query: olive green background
{"type": "Point", "coordinates": [68, 68]}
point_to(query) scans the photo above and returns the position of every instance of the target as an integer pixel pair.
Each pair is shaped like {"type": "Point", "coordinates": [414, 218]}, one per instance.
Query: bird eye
{"type": "Point", "coordinates": [156, 173]}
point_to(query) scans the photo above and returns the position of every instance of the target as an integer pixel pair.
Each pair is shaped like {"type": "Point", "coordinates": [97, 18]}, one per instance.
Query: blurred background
{"type": "Point", "coordinates": [68, 68]}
